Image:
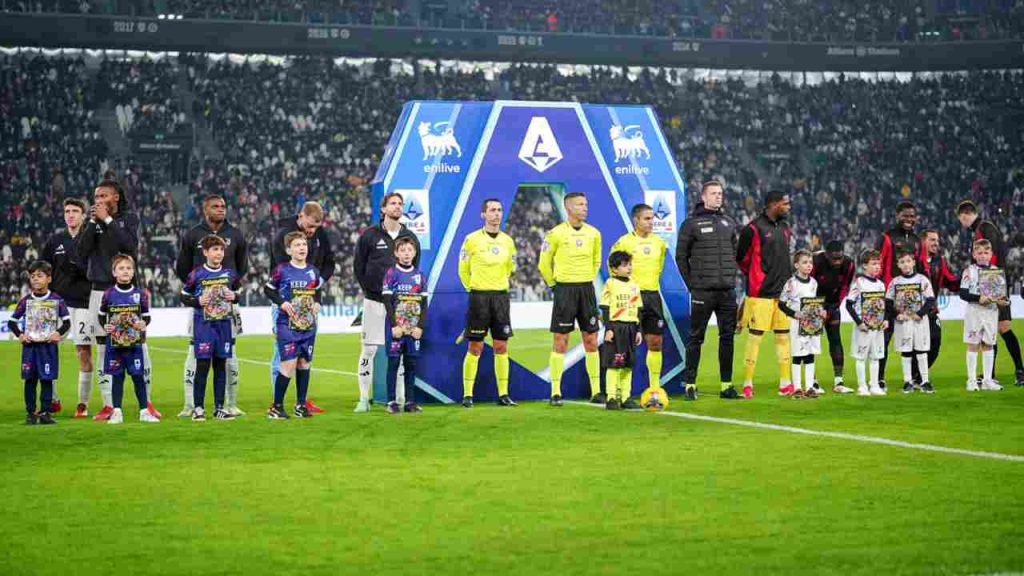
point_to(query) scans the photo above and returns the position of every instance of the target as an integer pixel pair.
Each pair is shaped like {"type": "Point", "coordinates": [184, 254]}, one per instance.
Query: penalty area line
{"type": "Point", "coordinates": [257, 362]}
{"type": "Point", "coordinates": [840, 436]}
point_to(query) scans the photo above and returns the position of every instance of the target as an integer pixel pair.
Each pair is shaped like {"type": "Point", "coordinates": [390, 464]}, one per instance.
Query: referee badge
{"type": "Point", "coordinates": [495, 250]}
{"type": "Point", "coordinates": [579, 243]}
{"type": "Point", "coordinates": [544, 247]}
{"type": "Point", "coordinates": [647, 249]}
{"type": "Point", "coordinates": [463, 254]}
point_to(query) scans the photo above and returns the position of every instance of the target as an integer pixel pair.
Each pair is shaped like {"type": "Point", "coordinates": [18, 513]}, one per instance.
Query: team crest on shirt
{"type": "Point", "coordinates": [495, 250]}
{"type": "Point", "coordinates": [579, 242]}
{"type": "Point", "coordinates": [136, 298]}
{"type": "Point", "coordinates": [647, 249]}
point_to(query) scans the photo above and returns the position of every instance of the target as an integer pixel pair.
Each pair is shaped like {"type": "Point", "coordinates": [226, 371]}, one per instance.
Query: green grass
{"type": "Point", "coordinates": [531, 490]}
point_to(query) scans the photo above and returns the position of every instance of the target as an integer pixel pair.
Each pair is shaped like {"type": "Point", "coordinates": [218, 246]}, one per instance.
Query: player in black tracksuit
{"type": "Point", "coordinates": [967, 213]}
{"type": "Point", "coordinates": [236, 257]}
{"type": "Point", "coordinates": [834, 271]}
{"type": "Point", "coordinates": [902, 238]}
{"type": "Point", "coordinates": [375, 253]}
{"type": "Point", "coordinates": [706, 256]}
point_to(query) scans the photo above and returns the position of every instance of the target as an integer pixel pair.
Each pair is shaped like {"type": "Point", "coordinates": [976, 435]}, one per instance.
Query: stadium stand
{"type": "Point", "coordinates": [287, 130]}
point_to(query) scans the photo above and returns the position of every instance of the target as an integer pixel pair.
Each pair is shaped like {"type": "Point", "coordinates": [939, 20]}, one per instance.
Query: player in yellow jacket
{"type": "Point", "coordinates": [648, 256]}
{"type": "Point", "coordinates": [569, 261]}
{"type": "Point", "coordinates": [486, 262]}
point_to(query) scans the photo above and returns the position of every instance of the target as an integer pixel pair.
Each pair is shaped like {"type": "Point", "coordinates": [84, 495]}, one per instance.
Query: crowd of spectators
{"type": "Point", "coordinates": [306, 128]}
{"type": "Point", "coordinates": [781, 20]}
{"type": "Point", "coordinates": [142, 93]}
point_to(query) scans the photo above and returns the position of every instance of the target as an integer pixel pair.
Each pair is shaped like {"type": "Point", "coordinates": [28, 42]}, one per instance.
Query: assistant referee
{"type": "Point", "coordinates": [486, 262]}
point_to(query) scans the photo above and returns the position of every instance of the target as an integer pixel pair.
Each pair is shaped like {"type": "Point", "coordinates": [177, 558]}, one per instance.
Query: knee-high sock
{"type": "Point", "coordinates": [796, 368]}
{"type": "Point", "coordinates": [750, 356]}
{"type": "Point", "coordinates": [231, 392]}
{"type": "Point", "coordinates": [625, 384]}
{"type": "Point", "coordinates": [141, 390]}
{"type": "Point", "coordinates": [873, 369]}
{"type": "Point", "coordinates": [809, 379]}
{"type": "Point", "coordinates": [30, 395]}
{"type": "Point", "coordinates": [104, 380]}
{"type": "Point", "coordinates": [611, 382]}
{"type": "Point", "coordinates": [972, 365]}
{"type": "Point", "coordinates": [280, 388]}
{"type": "Point", "coordinates": [400, 390]}
{"type": "Point", "coordinates": [783, 357]}
{"type": "Point", "coordinates": [46, 395]}
{"type": "Point", "coordinates": [906, 362]}
{"type": "Point", "coordinates": [988, 360]}
{"type": "Point", "coordinates": [189, 378]}
{"type": "Point", "coordinates": [147, 371]}
{"type": "Point", "coordinates": [922, 366]}
{"type": "Point", "coordinates": [557, 362]}
{"type": "Point", "coordinates": [301, 385]}
{"type": "Point", "coordinates": [469, 366]}
{"type": "Point", "coordinates": [593, 361]}
{"type": "Point", "coordinates": [391, 379]}
{"type": "Point", "coordinates": [84, 386]}
{"type": "Point", "coordinates": [409, 378]}
{"type": "Point", "coordinates": [117, 389]}
{"type": "Point", "coordinates": [220, 381]}
{"type": "Point", "coordinates": [862, 373]}
{"type": "Point", "coordinates": [654, 367]}
{"type": "Point", "coordinates": [501, 368]}
{"type": "Point", "coordinates": [366, 356]}
{"type": "Point", "coordinates": [199, 385]}
{"type": "Point", "coordinates": [1013, 347]}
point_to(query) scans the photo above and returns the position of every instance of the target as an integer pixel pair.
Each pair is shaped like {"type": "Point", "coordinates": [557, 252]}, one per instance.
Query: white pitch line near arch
{"type": "Point", "coordinates": [840, 436]}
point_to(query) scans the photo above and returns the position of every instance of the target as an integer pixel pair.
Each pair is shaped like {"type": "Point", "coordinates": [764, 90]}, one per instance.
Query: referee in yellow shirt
{"type": "Point", "coordinates": [486, 262]}
{"type": "Point", "coordinates": [569, 261]}
{"type": "Point", "coordinates": [648, 251]}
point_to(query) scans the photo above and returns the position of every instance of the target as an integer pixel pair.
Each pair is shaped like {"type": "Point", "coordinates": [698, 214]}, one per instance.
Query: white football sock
{"type": "Point", "coordinates": [873, 370]}
{"type": "Point", "coordinates": [366, 356]}
{"type": "Point", "coordinates": [988, 360]}
{"type": "Point", "coordinates": [796, 376]}
{"type": "Point", "coordinates": [231, 393]}
{"type": "Point", "coordinates": [908, 368]}
{"type": "Point", "coordinates": [400, 384]}
{"type": "Point", "coordinates": [972, 365]}
{"type": "Point", "coordinates": [837, 380]}
{"type": "Point", "coordinates": [105, 384]}
{"type": "Point", "coordinates": [809, 375]}
{"type": "Point", "coordinates": [84, 387]}
{"type": "Point", "coordinates": [189, 378]}
{"type": "Point", "coordinates": [922, 366]}
{"type": "Point", "coordinates": [862, 369]}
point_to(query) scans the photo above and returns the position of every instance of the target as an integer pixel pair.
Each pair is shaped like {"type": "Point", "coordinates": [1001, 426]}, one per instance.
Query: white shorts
{"type": "Point", "coordinates": [802, 345]}
{"type": "Point", "coordinates": [81, 333]}
{"type": "Point", "coordinates": [869, 345]}
{"type": "Point", "coordinates": [981, 325]}
{"type": "Point", "coordinates": [93, 320]}
{"type": "Point", "coordinates": [912, 336]}
{"type": "Point", "coordinates": [373, 322]}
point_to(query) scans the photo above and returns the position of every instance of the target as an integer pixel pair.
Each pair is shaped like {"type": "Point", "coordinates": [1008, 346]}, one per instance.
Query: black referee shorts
{"type": "Point", "coordinates": [652, 318]}
{"type": "Point", "coordinates": [574, 302]}
{"type": "Point", "coordinates": [621, 351]}
{"type": "Point", "coordinates": [488, 312]}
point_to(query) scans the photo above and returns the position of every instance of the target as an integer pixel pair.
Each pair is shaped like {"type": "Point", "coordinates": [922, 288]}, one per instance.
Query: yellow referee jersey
{"type": "Point", "coordinates": [570, 255]}
{"type": "Point", "coordinates": [648, 258]}
{"type": "Point", "coordinates": [486, 263]}
{"type": "Point", "coordinates": [622, 298]}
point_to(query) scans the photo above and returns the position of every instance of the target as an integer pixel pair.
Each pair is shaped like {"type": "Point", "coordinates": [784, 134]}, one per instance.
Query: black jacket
{"type": "Point", "coordinates": [706, 250]}
{"type": "Point", "coordinates": [69, 279]}
{"type": "Point", "coordinates": [833, 282]}
{"type": "Point", "coordinates": [190, 255]}
{"type": "Point", "coordinates": [375, 253]}
{"type": "Point", "coordinates": [320, 253]}
{"type": "Point", "coordinates": [763, 255]}
{"type": "Point", "coordinates": [99, 242]}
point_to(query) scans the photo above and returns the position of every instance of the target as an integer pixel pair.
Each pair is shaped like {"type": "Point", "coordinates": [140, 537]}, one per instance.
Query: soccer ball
{"type": "Point", "coordinates": [654, 398]}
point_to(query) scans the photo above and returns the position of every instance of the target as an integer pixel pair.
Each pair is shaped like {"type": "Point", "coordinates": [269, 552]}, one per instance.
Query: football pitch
{"type": "Point", "coordinates": [905, 484]}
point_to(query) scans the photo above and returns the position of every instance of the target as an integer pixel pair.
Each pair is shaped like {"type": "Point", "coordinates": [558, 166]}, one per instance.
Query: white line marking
{"type": "Point", "coordinates": [838, 435]}
{"type": "Point", "coordinates": [258, 362]}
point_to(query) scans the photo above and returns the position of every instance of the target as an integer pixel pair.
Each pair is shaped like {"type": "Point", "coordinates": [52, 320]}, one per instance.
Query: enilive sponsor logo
{"type": "Point", "coordinates": [862, 51]}
{"type": "Point", "coordinates": [438, 140]}
{"type": "Point", "coordinates": [628, 144]}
